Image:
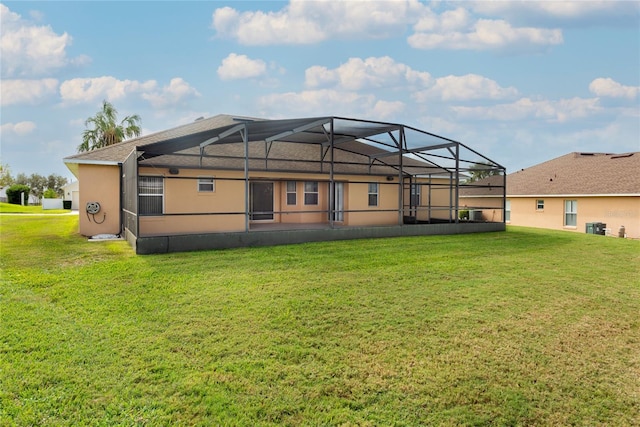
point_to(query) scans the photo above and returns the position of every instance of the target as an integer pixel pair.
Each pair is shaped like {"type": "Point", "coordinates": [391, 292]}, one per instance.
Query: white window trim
{"type": "Point", "coordinates": [152, 194]}
{"type": "Point", "coordinates": [369, 194]}
{"type": "Point", "coordinates": [416, 189]}
{"type": "Point", "coordinates": [294, 192]}
{"type": "Point", "coordinates": [205, 180]}
{"type": "Point", "coordinates": [573, 212]}
{"type": "Point", "coordinates": [538, 208]}
{"type": "Point", "coordinates": [317, 193]}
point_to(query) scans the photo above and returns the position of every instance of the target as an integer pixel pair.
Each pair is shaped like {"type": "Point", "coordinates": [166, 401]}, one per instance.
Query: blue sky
{"type": "Point", "coordinates": [521, 82]}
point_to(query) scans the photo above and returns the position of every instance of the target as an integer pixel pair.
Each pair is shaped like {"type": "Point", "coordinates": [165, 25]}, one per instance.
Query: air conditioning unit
{"type": "Point", "coordinates": [475, 215]}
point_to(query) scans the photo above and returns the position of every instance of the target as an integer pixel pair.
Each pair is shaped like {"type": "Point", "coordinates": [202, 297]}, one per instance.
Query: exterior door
{"type": "Point", "coordinates": [338, 201]}
{"type": "Point", "coordinates": [261, 201]}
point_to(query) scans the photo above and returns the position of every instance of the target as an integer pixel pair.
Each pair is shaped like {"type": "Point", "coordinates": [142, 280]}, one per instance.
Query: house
{"type": "Point", "coordinates": [583, 192]}
{"type": "Point", "coordinates": [71, 192]}
{"type": "Point", "coordinates": [230, 181]}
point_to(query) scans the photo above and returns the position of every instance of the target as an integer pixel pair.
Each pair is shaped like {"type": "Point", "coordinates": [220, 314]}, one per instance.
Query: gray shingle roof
{"type": "Point", "coordinates": [119, 152]}
{"type": "Point", "coordinates": [574, 174]}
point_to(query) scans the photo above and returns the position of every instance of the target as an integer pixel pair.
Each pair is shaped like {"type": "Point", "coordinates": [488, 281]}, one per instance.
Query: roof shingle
{"type": "Point", "coordinates": [572, 174]}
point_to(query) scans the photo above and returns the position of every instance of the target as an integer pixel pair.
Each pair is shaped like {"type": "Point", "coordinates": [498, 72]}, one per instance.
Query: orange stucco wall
{"type": "Point", "coordinates": [223, 209]}
{"type": "Point", "coordinates": [435, 199]}
{"type": "Point", "coordinates": [613, 211]}
{"type": "Point", "coordinates": [181, 196]}
{"type": "Point", "coordinates": [491, 207]}
{"type": "Point", "coordinates": [99, 183]}
{"type": "Point", "coordinates": [358, 200]}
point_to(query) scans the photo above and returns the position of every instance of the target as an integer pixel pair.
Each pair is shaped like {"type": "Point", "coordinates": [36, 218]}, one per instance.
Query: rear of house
{"type": "Point", "coordinates": [229, 181]}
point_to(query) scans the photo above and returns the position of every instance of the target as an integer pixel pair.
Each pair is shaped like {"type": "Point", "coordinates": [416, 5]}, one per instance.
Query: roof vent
{"type": "Point", "coordinates": [622, 156]}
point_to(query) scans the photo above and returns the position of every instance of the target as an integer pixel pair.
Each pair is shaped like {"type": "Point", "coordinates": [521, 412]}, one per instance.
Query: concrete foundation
{"type": "Point", "coordinates": [196, 242]}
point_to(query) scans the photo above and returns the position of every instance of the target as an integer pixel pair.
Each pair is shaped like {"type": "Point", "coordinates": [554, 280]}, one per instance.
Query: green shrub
{"type": "Point", "coordinates": [50, 194]}
{"type": "Point", "coordinates": [463, 214]}
{"type": "Point", "coordinates": [13, 194]}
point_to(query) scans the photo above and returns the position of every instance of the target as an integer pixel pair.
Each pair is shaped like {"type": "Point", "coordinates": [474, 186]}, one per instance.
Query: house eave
{"type": "Point", "coordinates": [73, 164]}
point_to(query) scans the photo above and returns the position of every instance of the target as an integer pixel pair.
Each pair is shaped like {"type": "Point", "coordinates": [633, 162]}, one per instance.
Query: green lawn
{"type": "Point", "coordinates": [11, 208]}
{"type": "Point", "coordinates": [525, 327]}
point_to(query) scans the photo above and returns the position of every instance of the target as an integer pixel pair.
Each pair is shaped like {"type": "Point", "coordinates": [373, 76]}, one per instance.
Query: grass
{"type": "Point", "coordinates": [526, 327]}
{"type": "Point", "coordinates": [12, 208]}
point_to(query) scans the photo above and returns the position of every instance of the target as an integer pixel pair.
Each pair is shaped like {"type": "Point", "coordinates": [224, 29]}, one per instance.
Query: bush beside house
{"type": "Point", "coordinates": [14, 194]}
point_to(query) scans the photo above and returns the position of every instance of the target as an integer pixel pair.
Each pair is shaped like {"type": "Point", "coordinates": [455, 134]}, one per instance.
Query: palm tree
{"type": "Point", "coordinates": [106, 131]}
{"type": "Point", "coordinates": [481, 170]}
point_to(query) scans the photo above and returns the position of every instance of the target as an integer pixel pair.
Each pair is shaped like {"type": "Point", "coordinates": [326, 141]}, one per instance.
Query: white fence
{"type": "Point", "coordinates": [52, 204]}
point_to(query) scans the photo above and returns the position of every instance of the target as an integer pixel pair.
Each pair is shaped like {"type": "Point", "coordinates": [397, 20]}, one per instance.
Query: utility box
{"type": "Point", "coordinates": [596, 228]}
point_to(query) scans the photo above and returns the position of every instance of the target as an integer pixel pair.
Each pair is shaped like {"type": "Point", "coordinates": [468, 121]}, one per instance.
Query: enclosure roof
{"type": "Point", "coordinates": [202, 144]}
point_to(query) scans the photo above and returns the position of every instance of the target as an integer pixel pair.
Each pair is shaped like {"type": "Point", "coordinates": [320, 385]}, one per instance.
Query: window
{"type": "Point", "coordinates": [311, 193]}
{"type": "Point", "coordinates": [373, 194]}
{"type": "Point", "coordinates": [291, 193]}
{"type": "Point", "coordinates": [415, 195]}
{"type": "Point", "coordinates": [570, 213]}
{"type": "Point", "coordinates": [539, 205]}
{"type": "Point", "coordinates": [150, 195]}
{"type": "Point", "coordinates": [206, 185]}
{"type": "Point", "coordinates": [507, 211]}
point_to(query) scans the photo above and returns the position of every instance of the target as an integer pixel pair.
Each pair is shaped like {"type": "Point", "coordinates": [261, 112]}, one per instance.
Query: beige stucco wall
{"type": "Point", "coordinates": [181, 196]}
{"type": "Point", "coordinates": [438, 195]}
{"type": "Point", "coordinates": [613, 211]}
{"type": "Point", "coordinates": [99, 183]}
{"type": "Point", "coordinates": [491, 207]}
{"type": "Point", "coordinates": [358, 200]}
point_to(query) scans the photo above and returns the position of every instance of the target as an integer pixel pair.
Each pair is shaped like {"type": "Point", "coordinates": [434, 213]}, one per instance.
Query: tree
{"type": "Point", "coordinates": [106, 131]}
{"type": "Point", "coordinates": [56, 182]}
{"type": "Point", "coordinates": [5, 176]}
{"type": "Point", "coordinates": [14, 194]}
{"type": "Point", "coordinates": [481, 170]}
{"type": "Point", "coordinates": [50, 193]}
{"type": "Point", "coordinates": [38, 184]}
{"type": "Point", "coordinates": [21, 179]}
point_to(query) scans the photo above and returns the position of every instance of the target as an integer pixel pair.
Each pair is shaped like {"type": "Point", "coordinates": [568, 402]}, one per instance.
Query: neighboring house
{"type": "Point", "coordinates": [71, 192]}
{"type": "Point", "coordinates": [571, 192]}
{"type": "Point", "coordinates": [234, 181]}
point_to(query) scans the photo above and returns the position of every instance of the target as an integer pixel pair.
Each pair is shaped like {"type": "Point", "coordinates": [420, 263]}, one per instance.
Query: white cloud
{"type": "Point", "coordinates": [305, 22]}
{"type": "Point", "coordinates": [237, 66]}
{"type": "Point", "coordinates": [525, 108]}
{"type": "Point", "coordinates": [26, 91]}
{"type": "Point", "coordinates": [608, 87]}
{"type": "Point", "coordinates": [467, 87]}
{"type": "Point", "coordinates": [31, 50]}
{"type": "Point", "coordinates": [485, 34]}
{"type": "Point", "coordinates": [326, 102]}
{"type": "Point", "coordinates": [81, 90]}
{"type": "Point", "coordinates": [605, 12]}
{"type": "Point", "coordinates": [387, 109]}
{"type": "Point", "coordinates": [172, 94]}
{"type": "Point", "coordinates": [372, 72]}
{"type": "Point", "coordinates": [450, 20]}
{"type": "Point", "coordinates": [20, 128]}
{"type": "Point", "coordinates": [88, 90]}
